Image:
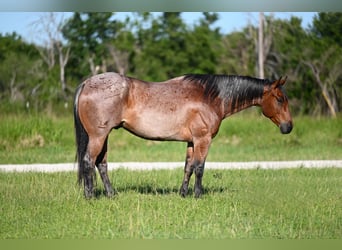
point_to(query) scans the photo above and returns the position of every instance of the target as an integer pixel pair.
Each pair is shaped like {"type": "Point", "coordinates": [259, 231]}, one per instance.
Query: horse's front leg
{"type": "Point", "coordinates": [195, 160]}
{"type": "Point", "coordinates": [201, 148]}
{"type": "Point", "coordinates": [188, 169]}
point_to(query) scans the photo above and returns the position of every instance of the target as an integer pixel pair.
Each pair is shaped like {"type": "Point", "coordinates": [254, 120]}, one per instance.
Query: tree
{"type": "Point", "coordinates": [203, 46]}
{"type": "Point", "coordinates": [328, 25]}
{"type": "Point", "coordinates": [155, 47]}
{"type": "Point", "coordinates": [327, 72]}
{"type": "Point", "coordinates": [324, 58]}
{"type": "Point", "coordinates": [48, 24]}
{"type": "Point", "coordinates": [121, 50]}
{"type": "Point", "coordinates": [160, 49]}
{"type": "Point", "coordinates": [167, 47]}
{"type": "Point", "coordinates": [19, 75]}
{"type": "Point", "coordinates": [238, 55]}
{"type": "Point", "coordinates": [88, 35]}
{"type": "Point", "coordinates": [263, 40]}
{"type": "Point", "coordinates": [261, 45]}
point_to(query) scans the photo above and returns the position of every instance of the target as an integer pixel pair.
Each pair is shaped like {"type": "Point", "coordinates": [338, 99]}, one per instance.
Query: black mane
{"type": "Point", "coordinates": [237, 89]}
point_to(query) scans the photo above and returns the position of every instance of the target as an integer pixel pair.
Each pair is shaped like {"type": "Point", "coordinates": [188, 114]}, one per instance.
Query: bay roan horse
{"type": "Point", "coordinates": [188, 108]}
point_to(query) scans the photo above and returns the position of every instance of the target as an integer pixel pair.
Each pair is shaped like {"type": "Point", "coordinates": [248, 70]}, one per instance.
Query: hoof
{"type": "Point", "coordinates": [198, 192]}
{"type": "Point", "coordinates": [89, 194]}
{"type": "Point", "coordinates": [183, 191]}
{"type": "Point", "coordinates": [111, 194]}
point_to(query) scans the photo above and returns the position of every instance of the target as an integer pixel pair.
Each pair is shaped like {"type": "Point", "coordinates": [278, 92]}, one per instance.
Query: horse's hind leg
{"type": "Point", "coordinates": [188, 169]}
{"type": "Point", "coordinates": [88, 176]}
{"type": "Point", "coordinates": [94, 150]}
{"type": "Point", "coordinates": [101, 164]}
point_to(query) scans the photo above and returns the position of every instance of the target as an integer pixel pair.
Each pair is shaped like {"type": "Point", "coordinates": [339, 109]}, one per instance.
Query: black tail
{"type": "Point", "coordinates": [82, 138]}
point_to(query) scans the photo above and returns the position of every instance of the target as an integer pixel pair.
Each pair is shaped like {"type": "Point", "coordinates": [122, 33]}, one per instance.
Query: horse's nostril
{"type": "Point", "coordinates": [286, 127]}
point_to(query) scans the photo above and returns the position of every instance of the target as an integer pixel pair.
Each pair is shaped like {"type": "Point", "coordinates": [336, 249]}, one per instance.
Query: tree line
{"type": "Point", "coordinates": [159, 47]}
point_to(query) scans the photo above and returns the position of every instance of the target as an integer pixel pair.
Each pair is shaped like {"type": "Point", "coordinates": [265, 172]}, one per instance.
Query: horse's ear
{"type": "Point", "coordinates": [282, 82]}
{"type": "Point", "coordinates": [279, 82]}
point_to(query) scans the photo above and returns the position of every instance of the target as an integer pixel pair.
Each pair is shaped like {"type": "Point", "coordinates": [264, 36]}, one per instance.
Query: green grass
{"type": "Point", "coordinates": [35, 139]}
{"type": "Point", "coordinates": [276, 204]}
{"type": "Point", "coordinates": [268, 204]}
{"type": "Point", "coordinates": [246, 136]}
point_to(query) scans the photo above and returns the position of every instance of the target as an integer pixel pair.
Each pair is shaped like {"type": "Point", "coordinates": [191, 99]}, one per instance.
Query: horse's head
{"type": "Point", "coordinates": [274, 105]}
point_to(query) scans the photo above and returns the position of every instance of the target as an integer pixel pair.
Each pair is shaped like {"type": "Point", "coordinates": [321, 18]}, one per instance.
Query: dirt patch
{"type": "Point", "coordinates": [36, 140]}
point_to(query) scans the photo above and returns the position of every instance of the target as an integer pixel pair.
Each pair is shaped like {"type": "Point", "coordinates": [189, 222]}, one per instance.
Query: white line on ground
{"type": "Point", "coordinates": [61, 167]}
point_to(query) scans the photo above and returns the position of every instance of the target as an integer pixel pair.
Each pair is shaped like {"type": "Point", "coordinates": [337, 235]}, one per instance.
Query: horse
{"type": "Point", "coordinates": [188, 108]}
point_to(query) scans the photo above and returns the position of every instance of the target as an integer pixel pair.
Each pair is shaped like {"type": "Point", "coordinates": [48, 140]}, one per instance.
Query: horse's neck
{"type": "Point", "coordinates": [228, 110]}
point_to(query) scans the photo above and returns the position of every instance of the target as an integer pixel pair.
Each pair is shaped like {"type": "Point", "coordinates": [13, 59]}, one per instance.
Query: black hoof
{"type": "Point", "coordinates": [183, 191]}
{"type": "Point", "coordinates": [198, 192]}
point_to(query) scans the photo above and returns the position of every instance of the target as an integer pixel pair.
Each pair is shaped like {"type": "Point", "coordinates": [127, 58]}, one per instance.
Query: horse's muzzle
{"type": "Point", "coordinates": [285, 127]}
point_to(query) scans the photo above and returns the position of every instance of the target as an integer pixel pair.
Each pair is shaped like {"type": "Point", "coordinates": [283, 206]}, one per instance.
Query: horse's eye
{"type": "Point", "coordinates": [280, 99]}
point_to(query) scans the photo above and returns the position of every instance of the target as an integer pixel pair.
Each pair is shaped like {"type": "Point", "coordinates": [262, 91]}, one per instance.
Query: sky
{"type": "Point", "coordinates": [21, 22]}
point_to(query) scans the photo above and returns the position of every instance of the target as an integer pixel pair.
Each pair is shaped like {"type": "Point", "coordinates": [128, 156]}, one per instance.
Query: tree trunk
{"type": "Point", "coordinates": [329, 102]}
{"type": "Point", "coordinates": [12, 88]}
{"type": "Point", "coordinates": [117, 59]}
{"type": "Point", "coordinates": [92, 66]}
{"type": "Point", "coordinates": [261, 45]}
{"type": "Point", "coordinates": [323, 85]}
{"type": "Point", "coordinates": [63, 60]}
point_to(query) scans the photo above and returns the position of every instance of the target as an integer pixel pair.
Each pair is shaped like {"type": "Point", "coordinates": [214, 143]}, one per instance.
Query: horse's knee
{"type": "Point", "coordinates": [199, 170]}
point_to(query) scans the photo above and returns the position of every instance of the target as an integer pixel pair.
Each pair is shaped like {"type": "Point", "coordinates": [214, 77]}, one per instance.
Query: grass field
{"type": "Point", "coordinates": [238, 204]}
{"type": "Point", "coordinates": [242, 137]}
{"type": "Point", "coordinates": [272, 204]}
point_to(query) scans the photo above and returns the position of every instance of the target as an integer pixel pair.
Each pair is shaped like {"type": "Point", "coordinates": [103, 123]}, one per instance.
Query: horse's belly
{"type": "Point", "coordinates": [158, 126]}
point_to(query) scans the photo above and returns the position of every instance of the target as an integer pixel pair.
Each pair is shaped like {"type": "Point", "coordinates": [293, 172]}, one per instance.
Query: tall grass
{"type": "Point", "coordinates": [36, 138]}
{"type": "Point", "coordinates": [242, 137]}
{"type": "Point", "coordinates": [271, 204]}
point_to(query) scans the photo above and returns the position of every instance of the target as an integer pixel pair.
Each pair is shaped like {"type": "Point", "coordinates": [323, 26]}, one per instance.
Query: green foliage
{"type": "Point", "coordinates": [204, 48]}
{"type": "Point", "coordinates": [237, 204]}
{"type": "Point", "coordinates": [159, 45]}
{"type": "Point", "coordinates": [324, 61]}
{"type": "Point", "coordinates": [87, 35]}
{"type": "Point", "coordinates": [156, 47]}
{"type": "Point", "coordinates": [238, 57]}
{"type": "Point", "coordinates": [19, 68]}
{"type": "Point", "coordinates": [328, 26]}
{"type": "Point", "coordinates": [26, 83]}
